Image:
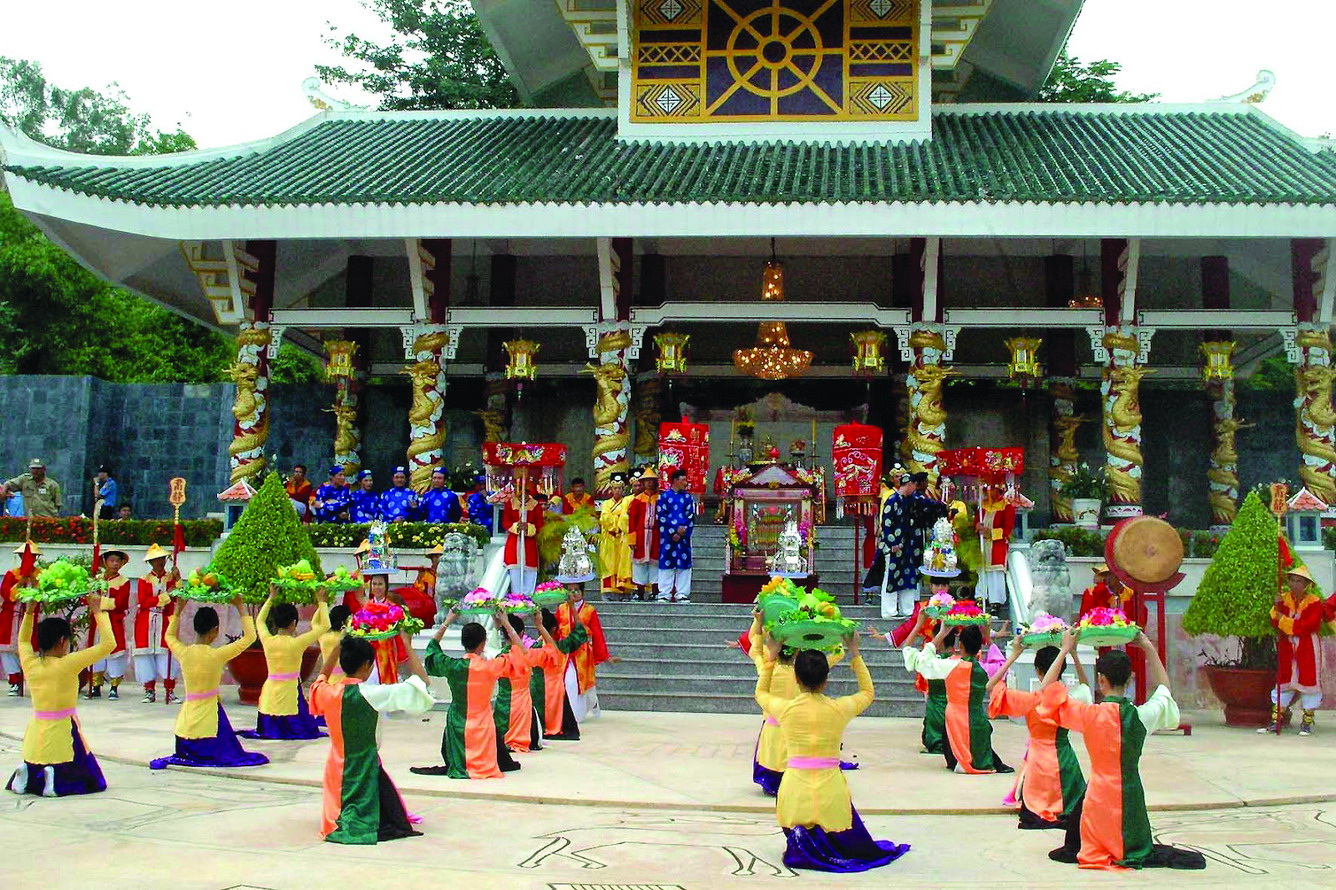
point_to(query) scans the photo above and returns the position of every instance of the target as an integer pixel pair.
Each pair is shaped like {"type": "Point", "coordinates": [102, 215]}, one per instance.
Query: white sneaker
{"type": "Point", "coordinates": [149, 698]}
{"type": "Point", "coordinates": [172, 699]}
{"type": "Point", "coordinates": [13, 690]}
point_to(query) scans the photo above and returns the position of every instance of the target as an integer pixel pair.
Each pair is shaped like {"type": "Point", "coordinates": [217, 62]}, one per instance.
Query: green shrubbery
{"type": "Point", "coordinates": [269, 534]}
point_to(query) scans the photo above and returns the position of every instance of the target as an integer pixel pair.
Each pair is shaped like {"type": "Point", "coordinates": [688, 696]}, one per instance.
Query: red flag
{"type": "Point", "coordinates": [97, 557]}
{"type": "Point", "coordinates": [28, 562]}
{"type": "Point", "coordinates": [178, 539]}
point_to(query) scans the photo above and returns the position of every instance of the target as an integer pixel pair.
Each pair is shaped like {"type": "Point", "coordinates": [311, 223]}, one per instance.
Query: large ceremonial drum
{"type": "Point", "coordinates": [1145, 553]}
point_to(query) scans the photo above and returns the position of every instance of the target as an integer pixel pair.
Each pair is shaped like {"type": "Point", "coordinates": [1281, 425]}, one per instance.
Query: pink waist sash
{"type": "Point", "coordinates": [54, 715]}
{"type": "Point", "coordinates": [280, 678]}
{"type": "Point", "coordinates": [200, 696]}
{"type": "Point", "coordinates": [771, 721]}
{"type": "Point", "coordinates": [814, 763]}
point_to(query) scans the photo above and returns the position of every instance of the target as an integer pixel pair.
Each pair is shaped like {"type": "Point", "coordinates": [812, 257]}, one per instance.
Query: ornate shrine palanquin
{"type": "Point", "coordinates": [696, 61]}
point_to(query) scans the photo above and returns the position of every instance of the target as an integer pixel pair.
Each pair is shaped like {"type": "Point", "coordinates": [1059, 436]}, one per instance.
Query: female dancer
{"type": "Point", "coordinates": [283, 712]}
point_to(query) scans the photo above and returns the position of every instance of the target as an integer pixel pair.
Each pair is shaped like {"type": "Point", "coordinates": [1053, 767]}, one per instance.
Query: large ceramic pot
{"type": "Point", "coordinates": [1245, 693]}
{"type": "Point", "coordinates": [1085, 512]}
{"type": "Point", "coordinates": [250, 671]}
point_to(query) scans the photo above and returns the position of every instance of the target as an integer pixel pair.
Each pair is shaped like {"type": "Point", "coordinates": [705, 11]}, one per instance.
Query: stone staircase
{"type": "Point", "coordinates": [675, 658]}
{"type": "Point", "coordinates": [834, 561]}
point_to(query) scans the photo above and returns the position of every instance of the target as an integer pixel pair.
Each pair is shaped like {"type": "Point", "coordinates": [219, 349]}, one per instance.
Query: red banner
{"type": "Point", "coordinates": [987, 463]}
{"type": "Point", "coordinates": [524, 454]}
{"type": "Point", "coordinates": [685, 446]}
{"type": "Point", "coordinates": [856, 451]}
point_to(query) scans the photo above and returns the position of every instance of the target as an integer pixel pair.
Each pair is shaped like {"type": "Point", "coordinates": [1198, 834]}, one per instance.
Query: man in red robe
{"type": "Point", "coordinates": [299, 491]}
{"type": "Point", "coordinates": [581, 682]}
{"type": "Point", "coordinates": [522, 517]}
{"type": "Point", "coordinates": [645, 535]}
{"type": "Point", "coordinates": [112, 667]}
{"type": "Point", "coordinates": [153, 660]}
{"type": "Point", "coordinates": [22, 575]}
{"type": "Point", "coordinates": [1297, 617]}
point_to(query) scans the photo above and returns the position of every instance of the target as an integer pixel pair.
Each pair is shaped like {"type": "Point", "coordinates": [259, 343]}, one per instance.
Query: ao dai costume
{"type": "Point", "coordinates": [204, 736]}
{"type": "Point", "coordinates": [1049, 782]}
{"type": "Point", "coordinates": [614, 545]}
{"type": "Point", "coordinates": [823, 829]}
{"type": "Point", "coordinates": [56, 761]}
{"type": "Point", "coordinates": [283, 711]}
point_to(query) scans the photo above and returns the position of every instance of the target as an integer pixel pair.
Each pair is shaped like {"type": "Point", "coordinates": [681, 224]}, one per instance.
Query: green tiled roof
{"type": "Point", "coordinates": [1029, 154]}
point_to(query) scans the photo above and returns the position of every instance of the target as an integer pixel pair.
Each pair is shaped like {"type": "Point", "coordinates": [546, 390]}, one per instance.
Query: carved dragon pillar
{"type": "Point", "coordinates": [611, 406]}
{"type": "Point", "coordinates": [1314, 421]}
{"type": "Point", "coordinates": [925, 347]}
{"type": "Point", "coordinates": [347, 431]}
{"type": "Point", "coordinates": [1124, 350]}
{"type": "Point", "coordinates": [493, 415]}
{"type": "Point", "coordinates": [648, 414]}
{"type": "Point", "coordinates": [250, 410]}
{"type": "Point", "coordinates": [1223, 476]}
{"type": "Point", "coordinates": [426, 416]}
{"type": "Point", "coordinates": [1063, 456]}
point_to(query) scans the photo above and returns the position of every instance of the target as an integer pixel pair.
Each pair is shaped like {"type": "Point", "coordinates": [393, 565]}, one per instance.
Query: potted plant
{"type": "Point", "coordinates": [1234, 601]}
{"type": "Point", "coordinates": [1086, 489]}
{"type": "Point", "coordinates": [269, 534]}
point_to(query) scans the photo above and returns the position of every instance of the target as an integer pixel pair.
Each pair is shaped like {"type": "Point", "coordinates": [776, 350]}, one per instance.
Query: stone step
{"type": "Point", "coordinates": [708, 682]}
{"type": "Point", "coordinates": [622, 607]}
{"type": "Point", "coordinates": [726, 703]}
{"type": "Point", "coordinates": [697, 632]}
{"type": "Point", "coordinates": [677, 659]}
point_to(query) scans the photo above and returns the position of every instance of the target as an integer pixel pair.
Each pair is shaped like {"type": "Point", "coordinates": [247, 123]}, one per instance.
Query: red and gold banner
{"type": "Point", "coordinates": [510, 454]}
{"type": "Point", "coordinates": [856, 452]}
{"type": "Point", "coordinates": [685, 446]}
{"type": "Point", "coordinates": [986, 463]}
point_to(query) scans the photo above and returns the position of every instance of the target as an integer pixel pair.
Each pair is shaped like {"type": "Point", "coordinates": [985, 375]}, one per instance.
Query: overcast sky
{"type": "Point", "coordinates": [232, 72]}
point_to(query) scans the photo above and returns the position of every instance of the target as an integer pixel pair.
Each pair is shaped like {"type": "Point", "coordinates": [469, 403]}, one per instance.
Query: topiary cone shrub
{"type": "Point", "coordinates": [269, 534]}
{"type": "Point", "coordinates": [1240, 586]}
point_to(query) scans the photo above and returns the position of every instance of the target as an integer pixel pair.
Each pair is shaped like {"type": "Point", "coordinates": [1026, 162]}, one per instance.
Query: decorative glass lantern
{"type": "Point", "coordinates": [868, 359]}
{"type": "Point", "coordinates": [774, 356]}
{"type": "Point", "coordinates": [1219, 356]}
{"type": "Point", "coordinates": [1024, 364]}
{"type": "Point", "coordinates": [772, 281]}
{"type": "Point", "coordinates": [340, 359]}
{"type": "Point", "coordinates": [672, 357]}
{"type": "Point", "coordinates": [520, 365]}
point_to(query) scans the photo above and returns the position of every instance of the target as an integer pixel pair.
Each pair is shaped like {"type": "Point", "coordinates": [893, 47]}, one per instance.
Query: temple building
{"type": "Point", "coordinates": [790, 184]}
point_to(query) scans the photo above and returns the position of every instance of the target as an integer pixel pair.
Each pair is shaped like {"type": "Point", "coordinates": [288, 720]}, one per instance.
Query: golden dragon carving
{"type": "Point", "coordinates": [648, 413]}
{"type": "Point", "coordinates": [249, 408]}
{"type": "Point", "coordinates": [425, 375]}
{"type": "Point", "coordinates": [1066, 455]}
{"type": "Point", "coordinates": [928, 414]}
{"type": "Point", "coordinates": [1312, 428]}
{"type": "Point", "coordinates": [1121, 434]}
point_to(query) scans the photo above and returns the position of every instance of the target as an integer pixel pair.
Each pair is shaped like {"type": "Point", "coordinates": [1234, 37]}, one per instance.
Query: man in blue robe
{"type": "Point", "coordinates": [399, 503]}
{"type": "Point", "coordinates": [333, 499]}
{"type": "Point", "coordinates": [899, 588]}
{"type": "Point", "coordinates": [365, 506]}
{"type": "Point", "coordinates": [676, 514]}
{"type": "Point", "coordinates": [439, 503]}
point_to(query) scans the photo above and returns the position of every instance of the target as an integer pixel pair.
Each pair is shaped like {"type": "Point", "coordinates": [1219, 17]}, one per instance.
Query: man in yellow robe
{"type": "Point", "coordinates": [614, 542]}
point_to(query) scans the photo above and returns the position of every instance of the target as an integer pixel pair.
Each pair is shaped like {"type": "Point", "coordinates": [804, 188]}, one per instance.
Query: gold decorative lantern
{"type": "Point", "coordinates": [340, 359]}
{"type": "Point", "coordinates": [672, 357]}
{"type": "Point", "coordinates": [1024, 364]}
{"type": "Point", "coordinates": [773, 357]}
{"type": "Point", "coordinates": [1219, 356]}
{"type": "Point", "coordinates": [868, 359]}
{"type": "Point", "coordinates": [520, 365]}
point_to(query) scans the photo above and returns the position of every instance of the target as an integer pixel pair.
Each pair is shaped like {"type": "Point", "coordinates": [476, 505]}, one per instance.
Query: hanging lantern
{"type": "Point", "coordinates": [672, 357]}
{"type": "Point", "coordinates": [340, 359]}
{"type": "Point", "coordinates": [1024, 364]}
{"type": "Point", "coordinates": [774, 356]}
{"type": "Point", "coordinates": [772, 281]}
{"type": "Point", "coordinates": [868, 359]}
{"type": "Point", "coordinates": [520, 365]}
{"type": "Point", "coordinates": [1219, 360]}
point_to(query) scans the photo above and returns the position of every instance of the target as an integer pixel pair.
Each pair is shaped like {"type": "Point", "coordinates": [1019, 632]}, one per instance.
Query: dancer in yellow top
{"type": "Point", "coordinates": [283, 712]}
{"type": "Point", "coordinates": [823, 829]}
{"type": "Point", "coordinates": [204, 735]}
{"type": "Point", "coordinates": [56, 762]}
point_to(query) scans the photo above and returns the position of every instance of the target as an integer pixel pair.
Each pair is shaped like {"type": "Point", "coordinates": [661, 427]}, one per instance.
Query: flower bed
{"type": "Point", "coordinates": [409, 535]}
{"type": "Point", "coordinates": [129, 532]}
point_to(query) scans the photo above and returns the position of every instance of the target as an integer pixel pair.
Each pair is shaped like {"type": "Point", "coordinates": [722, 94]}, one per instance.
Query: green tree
{"type": "Point", "coordinates": [1072, 81]}
{"type": "Point", "coordinates": [56, 317]}
{"type": "Point", "coordinates": [1240, 585]}
{"type": "Point", "coordinates": [268, 535]}
{"type": "Point", "coordinates": [437, 57]}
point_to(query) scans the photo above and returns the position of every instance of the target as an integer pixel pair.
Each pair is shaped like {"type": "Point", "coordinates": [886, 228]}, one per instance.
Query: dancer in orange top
{"type": "Point", "coordinates": [1110, 829]}
{"type": "Point", "coordinates": [581, 682]}
{"type": "Point", "coordinates": [1049, 783]}
{"type": "Point", "coordinates": [469, 743]}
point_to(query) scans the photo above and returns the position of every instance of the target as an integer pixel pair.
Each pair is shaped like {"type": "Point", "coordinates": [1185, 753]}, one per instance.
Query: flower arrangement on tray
{"type": "Point", "coordinates": [204, 585]}
{"type": "Point", "coordinates": [343, 580]}
{"type": "Point", "coordinates": [1045, 630]}
{"type": "Point", "coordinates": [964, 613]}
{"type": "Point", "coordinates": [549, 593]}
{"type": "Point", "coordinates": [939, 604]}
{"type": "Point", "coordinates": [816, 623]}
{"type": "Point", "coordinates": [380, 621]}
{"type": "Point", "coordinates": [1107, 627]}
{"type": "Point", "coordinates": [517, 603]}
{"type": "Point", "coordinates": [61, 581]}
{"type": "Point", "coordinates": [478, 601]}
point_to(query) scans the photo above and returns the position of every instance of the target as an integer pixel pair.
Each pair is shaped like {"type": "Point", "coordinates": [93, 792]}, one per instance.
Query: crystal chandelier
{"type": "Point", "coordinates": [773, 357]}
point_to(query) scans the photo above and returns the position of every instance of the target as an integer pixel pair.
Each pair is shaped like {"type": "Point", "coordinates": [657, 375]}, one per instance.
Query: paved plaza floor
{"type": "Point", "coordinates": [645, 801]}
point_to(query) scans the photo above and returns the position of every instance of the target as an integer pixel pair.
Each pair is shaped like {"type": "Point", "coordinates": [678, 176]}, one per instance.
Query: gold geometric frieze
{"type": "Point", "coordinates": [667, 101]}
